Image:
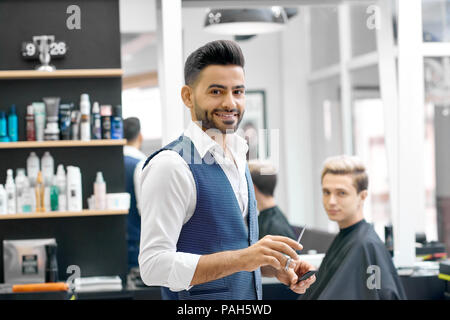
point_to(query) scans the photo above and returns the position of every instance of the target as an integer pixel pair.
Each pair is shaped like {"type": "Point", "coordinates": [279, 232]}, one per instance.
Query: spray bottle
{"type": "Point", "coordinates": [10, 187]}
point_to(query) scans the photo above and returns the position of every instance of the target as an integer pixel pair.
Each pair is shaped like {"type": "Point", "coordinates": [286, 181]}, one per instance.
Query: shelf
{"type": "Point", "coordinates": [62, 143]}
{"type": "Point", "coordinates": [57, 74]}
{"type": "Point", "coordinates": [56, 214]}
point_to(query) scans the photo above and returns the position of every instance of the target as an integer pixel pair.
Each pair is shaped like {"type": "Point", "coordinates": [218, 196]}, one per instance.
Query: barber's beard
{"type": "Point", "coordinates": [210, 121]}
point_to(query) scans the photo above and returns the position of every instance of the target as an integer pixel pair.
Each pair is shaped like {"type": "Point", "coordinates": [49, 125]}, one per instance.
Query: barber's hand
{"type": "Point", "coordinates": [269, 251]}
{"type": "Point", "coordinates": [290, 277]}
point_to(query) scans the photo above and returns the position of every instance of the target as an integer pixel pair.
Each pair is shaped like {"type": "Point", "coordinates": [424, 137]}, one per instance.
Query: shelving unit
{"type": "Point", "coordinates": [93, 240]}
{"type": "Point", "coordinates": [57, 74]}
{"type": "Point", "coordinates": [56, 214]}
{"type": "Point", "coordinates": [61, 143]}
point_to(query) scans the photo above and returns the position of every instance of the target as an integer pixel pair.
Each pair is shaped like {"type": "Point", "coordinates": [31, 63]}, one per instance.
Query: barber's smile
{"type": "Point", "coordinates": [226, 116]}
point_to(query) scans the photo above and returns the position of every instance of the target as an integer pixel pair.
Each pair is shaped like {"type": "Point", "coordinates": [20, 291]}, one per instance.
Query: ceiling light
{"type": "Point", "coordinates": [245, 21]}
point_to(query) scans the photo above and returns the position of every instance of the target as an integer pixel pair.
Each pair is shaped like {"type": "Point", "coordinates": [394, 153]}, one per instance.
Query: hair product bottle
{"type": "Point", "coordinates": [33, 167]}
{"type": "Point", "coordinates": [96, 122]}
{"type": "Point", "coordinates": [85, 126]}
{"type": "Point", "coordinates": [10, 187]}
{"type": "Point", "coordinates": [30, 124]}
{"type": "Point", "coordinates": [100, 192]}
{"type": "Point", "coordinates": [62, 188]}
{"type": "Point", "coordinates": [105, 112]}
{"type": "Point", "coordinates": [117, 124]}
{"type": "Point", "coordinates": [3, 128]}
{"type": "Point", "coordinates": [20, 189]}
{"type": "Point", "coordinates": [3, 197]}
{"type": "Point", "coordinates": [13, 132]}
{"type": "Point", "coordinates": [40, 193]}
{"type": "Point", "coordinates": [74, 196]}
{"type": "Point", "coordinates": [48, 168]}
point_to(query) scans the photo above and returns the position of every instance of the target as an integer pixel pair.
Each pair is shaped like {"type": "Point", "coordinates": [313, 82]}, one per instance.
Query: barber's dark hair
{"type": "Point", "coordinates": [219, 52]}
{"type": "Point", "coordinates": [264, 176]}
{"type": "Point", "coordinates": [131, 128]}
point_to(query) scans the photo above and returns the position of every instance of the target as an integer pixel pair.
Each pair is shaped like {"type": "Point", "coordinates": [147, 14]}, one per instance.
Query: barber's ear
{"type": "Point", "coordinates": [186, 95]}
{"type": "Point", "coordinates": [364, 194]}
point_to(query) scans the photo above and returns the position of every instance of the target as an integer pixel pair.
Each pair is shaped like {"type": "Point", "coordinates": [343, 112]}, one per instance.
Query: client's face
{"type": "Point", "coordinates": [340, 199]}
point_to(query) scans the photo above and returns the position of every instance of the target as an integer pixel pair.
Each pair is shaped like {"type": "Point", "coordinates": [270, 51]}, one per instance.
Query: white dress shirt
{"type": "Point", "coordinates": [168, 201]}
{"type": "Point", "coordinates": [137, 154]}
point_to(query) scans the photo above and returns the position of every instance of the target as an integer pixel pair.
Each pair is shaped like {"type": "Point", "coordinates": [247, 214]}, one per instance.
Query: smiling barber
{"type": "Point", "coordinates": [199, 237]}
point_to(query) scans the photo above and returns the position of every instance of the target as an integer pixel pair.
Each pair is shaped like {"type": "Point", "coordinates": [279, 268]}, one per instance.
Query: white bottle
{"type": "Point", "coordinates": [100, 192]}
{"type": "Point", "coordinates": [74, 196]}
{"type": "Point", "coordinates": [62, 187]}
{"type": "Point", "coordinates": [20, 189]}
{"type": "Point", "coordinates": [29, 197]}
{"type": "Point", "coordinates": [3, 205]}
{"type": "Point", "coordinates": [48, 169]}
{"type": "Point", "coordinates": [85, 109]}
{"type": "Point", "coordinates": [33, 167]}
{"type": "Point", "coordinates": [10, 192]}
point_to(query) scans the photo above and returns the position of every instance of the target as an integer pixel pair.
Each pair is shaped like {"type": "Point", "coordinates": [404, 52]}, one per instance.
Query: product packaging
{"type": "Point", "coordinates": [48, 168]}
{"type": "Point", "coordinates": [13, 132]}
{"type": "Point", "coordinates": [33, 167]}
{"type": "Point", "coordinates": [10, 187]}
{"type": "Point", "coordinates": [117, 124]}
{"type": "Point", "coordinates": [85, 109]}
{"type": "Point", "coordinates": [62, 188]}
{"type": "Point", "coordinates": [40, 193]}
{"type": "Point", "coordinates": [74, 192]}
{"type": "Point", "coordinates": [75, 124]}
{"type": "Point", "coordinates": [30, 124]}
{"type": "Point", "coordinates": [39, 119]}
{"type": "Point", "coordinates": [65, 111]}
{"type": "Point", "coordinates": [96, 122]}
{"type": "Point", "coordinates": [3, 127]}
{"type": "Point", "coordinates": [105, 113]}
{"type": "Point", "coordinates": [3, 200]}
{"type": "Point", "coordinates": [100, 192]}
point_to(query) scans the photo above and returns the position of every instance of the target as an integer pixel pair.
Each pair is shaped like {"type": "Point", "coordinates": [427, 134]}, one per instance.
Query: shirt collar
{"type": "Point", "coordinates": [204, 143]}
{"type": "Point", "coordinates": [133, 152]}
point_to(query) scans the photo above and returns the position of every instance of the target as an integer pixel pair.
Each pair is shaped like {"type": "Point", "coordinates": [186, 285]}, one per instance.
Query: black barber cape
{"type": "Point", "coordinates": [350, 270]}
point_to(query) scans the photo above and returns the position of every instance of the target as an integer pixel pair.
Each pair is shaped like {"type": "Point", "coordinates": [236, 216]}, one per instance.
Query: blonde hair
{"type": "Point", "coordinates": [344, 164]}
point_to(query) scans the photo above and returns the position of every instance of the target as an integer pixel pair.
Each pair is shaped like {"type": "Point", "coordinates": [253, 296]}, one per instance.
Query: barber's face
{"type": "Point", "coordinates": [340, 199]}
{"type": "Point", "coordinates": [217, 99]}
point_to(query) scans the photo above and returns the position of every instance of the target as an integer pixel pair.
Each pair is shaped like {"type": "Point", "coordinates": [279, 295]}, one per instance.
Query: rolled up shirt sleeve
{"type": "Point", "coordinates": [167, 201]}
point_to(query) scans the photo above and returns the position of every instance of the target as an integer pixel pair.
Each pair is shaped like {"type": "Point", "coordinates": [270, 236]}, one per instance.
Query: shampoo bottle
{"type": "Point", "coordinates": [85, 126]}
{"type": "Point", "coordinates": [100, 192]}
{"type": "Point", "coordinates": [40, 193]}
{"type": "Point", "coordinates": [54, 196]}
{"type": "Point", "coordinates": [30, 123]}
{"type": "Point", "coordinates": [117, 124]}
{"type": "Point", "coordinates": [3, 128]}
{"type": "Point", "coordinates": [105, 112]}
{"type": "Point", "coordinates": [3, 205]}
{"type": "Point", "coordinates": [62, 188]}
{"type": "Point", "coordinates": [13, 132]}
{"type": "Point", "coordinates": [48, 168]}
{"type": "Point", "coordinates": [20, 189]}
{"type": "Point", "coordinates": [10, 187]}
{"type": "Point", "coordinates": [74, 196]}
{"type": "Point", "coordinates": [33, 167]}
{"type": "Point", "coordinates": [96, 122]}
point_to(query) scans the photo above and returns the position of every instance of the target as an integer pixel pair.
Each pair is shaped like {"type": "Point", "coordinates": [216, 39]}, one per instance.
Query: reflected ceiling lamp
{"type": "Point", "coordinates": [242, 22]}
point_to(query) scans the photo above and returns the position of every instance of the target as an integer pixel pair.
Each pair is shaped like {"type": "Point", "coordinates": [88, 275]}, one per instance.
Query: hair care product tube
{"type": "Point", "coordinates": [51, 108]}
{"type": "Point", "coordinates": [13, 132]}
{"type": "Point", "coordinates": [96, 122]}
{"type": "Point", "coordinates": [39, 119]}
{"type": "Point", "coordinates": [74, 196]}
{"type": "Point", "coordinates": [54, 196]}
{"type": "Point", "coordinates": [105, 113]}
{"type": "Point", "coordinates": [30, 125]}
{"type": "Point", "coordinates": [100, 192]}
{"type": "Point", "coordinates": [116, 123]}
{"type": "Point", "coordinates": [10, 187]}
